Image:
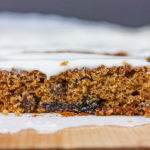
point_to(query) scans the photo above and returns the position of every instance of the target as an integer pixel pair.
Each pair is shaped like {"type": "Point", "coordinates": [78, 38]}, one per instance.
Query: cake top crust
{"type": "Point", "coordinates": [50, 62]}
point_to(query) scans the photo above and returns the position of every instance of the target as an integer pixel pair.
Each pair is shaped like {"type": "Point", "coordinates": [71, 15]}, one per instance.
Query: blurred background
{"type": "Point", "coordinates": [101, 25]}
{"type": "Point", "coordinates": [125, 12]}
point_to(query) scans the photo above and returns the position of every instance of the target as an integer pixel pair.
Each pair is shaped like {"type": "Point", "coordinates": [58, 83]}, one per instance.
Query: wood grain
{"type": "Point", "coordinates": [81, 137]}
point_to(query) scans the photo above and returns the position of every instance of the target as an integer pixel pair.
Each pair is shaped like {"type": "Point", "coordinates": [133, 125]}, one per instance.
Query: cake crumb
{"type": "Point", "coordinates": [12, 68]}
{"type": "Point", "coordinates": [5, 112]}
{"type": "Point", "coordinates": [129, 121]}
{"type": "Point", "coordinates": [17, 114]}
{"type": "Point", "coordinates": [64, 63]}
{"type": "Point", "coordinates": [147, 114]}
{"type": "Point", "coordinates": [37, 115]}
{"type": "Point", "coordinates": [148, 59]}
{"type": "Point", "coordinates": [69, 114]}
{"type": "Point", "coordinates": [125, 62]}
{"type": "Point", "coordinates": [82, 114]}
{"type": "Point", "coordinates": [99, 113]}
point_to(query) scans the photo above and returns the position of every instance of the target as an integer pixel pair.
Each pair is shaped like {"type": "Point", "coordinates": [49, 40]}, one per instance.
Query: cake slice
{"type": "Point", "coordinates": [110, 85]}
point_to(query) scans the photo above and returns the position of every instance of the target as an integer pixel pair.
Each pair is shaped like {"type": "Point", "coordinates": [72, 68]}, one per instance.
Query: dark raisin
{"type": "Point", "coordinates": [135, 93]}
{"type": "Point", "coordinates": [25, 104]}
{"type": "Point", "coordinates": [1, 103]}
{"type": "Point", "coordinates": [41, 80]}
{"type": "Point", "coordinates": [87, 105]}
{"type": "Point", "coordinates": [58, 106]}
{"type": "Point", "coordinates": [130, 74]}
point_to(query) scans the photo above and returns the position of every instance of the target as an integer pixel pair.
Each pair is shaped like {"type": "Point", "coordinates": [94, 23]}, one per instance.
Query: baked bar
{"type": "Point", "coordinates": [108, 86]}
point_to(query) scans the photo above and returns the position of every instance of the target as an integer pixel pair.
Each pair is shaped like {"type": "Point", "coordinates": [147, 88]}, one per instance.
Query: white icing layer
{"type": "Point", "coordinates": [54, 67]}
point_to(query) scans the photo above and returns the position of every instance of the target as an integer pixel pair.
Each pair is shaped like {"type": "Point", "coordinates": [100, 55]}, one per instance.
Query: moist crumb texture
{"type": "Point", "coordinates": [122, 90]}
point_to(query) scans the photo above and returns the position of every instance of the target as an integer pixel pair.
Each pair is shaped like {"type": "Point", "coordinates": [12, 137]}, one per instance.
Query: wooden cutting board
{"type": "Point", "coordinates": [80, 137]}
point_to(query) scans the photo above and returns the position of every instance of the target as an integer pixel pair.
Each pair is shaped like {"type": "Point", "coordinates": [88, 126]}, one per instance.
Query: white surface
{"type": "Point", "coordinates": [49, 123]}
{"type": "Point", "coordinates": [20, 33]}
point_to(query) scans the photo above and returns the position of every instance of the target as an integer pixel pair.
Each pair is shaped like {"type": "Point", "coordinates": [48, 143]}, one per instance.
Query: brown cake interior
{"type": "Point", "coordinates": [102, 91]}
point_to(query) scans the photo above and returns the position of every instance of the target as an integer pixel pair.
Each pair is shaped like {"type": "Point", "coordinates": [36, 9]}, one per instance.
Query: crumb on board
{"type": "Point", "coordinates": [69, 114]}
{"type": "Point", "coordinates": [37, 115]}
{"type": "Point", "coordinates": [64, 63]}
{"type": "Point", "coordinates": [82, 114]}
{"type": "Point", "coordinates": [125, 62]}
{"type": "Point", "coordinates": [53, 116]}
{"type": "Point", "coordinates": [129, 121]}
{"type": "Point", "coordinates": [5, 112]}
{"type": "Point", "coordinates": [17, 114]}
